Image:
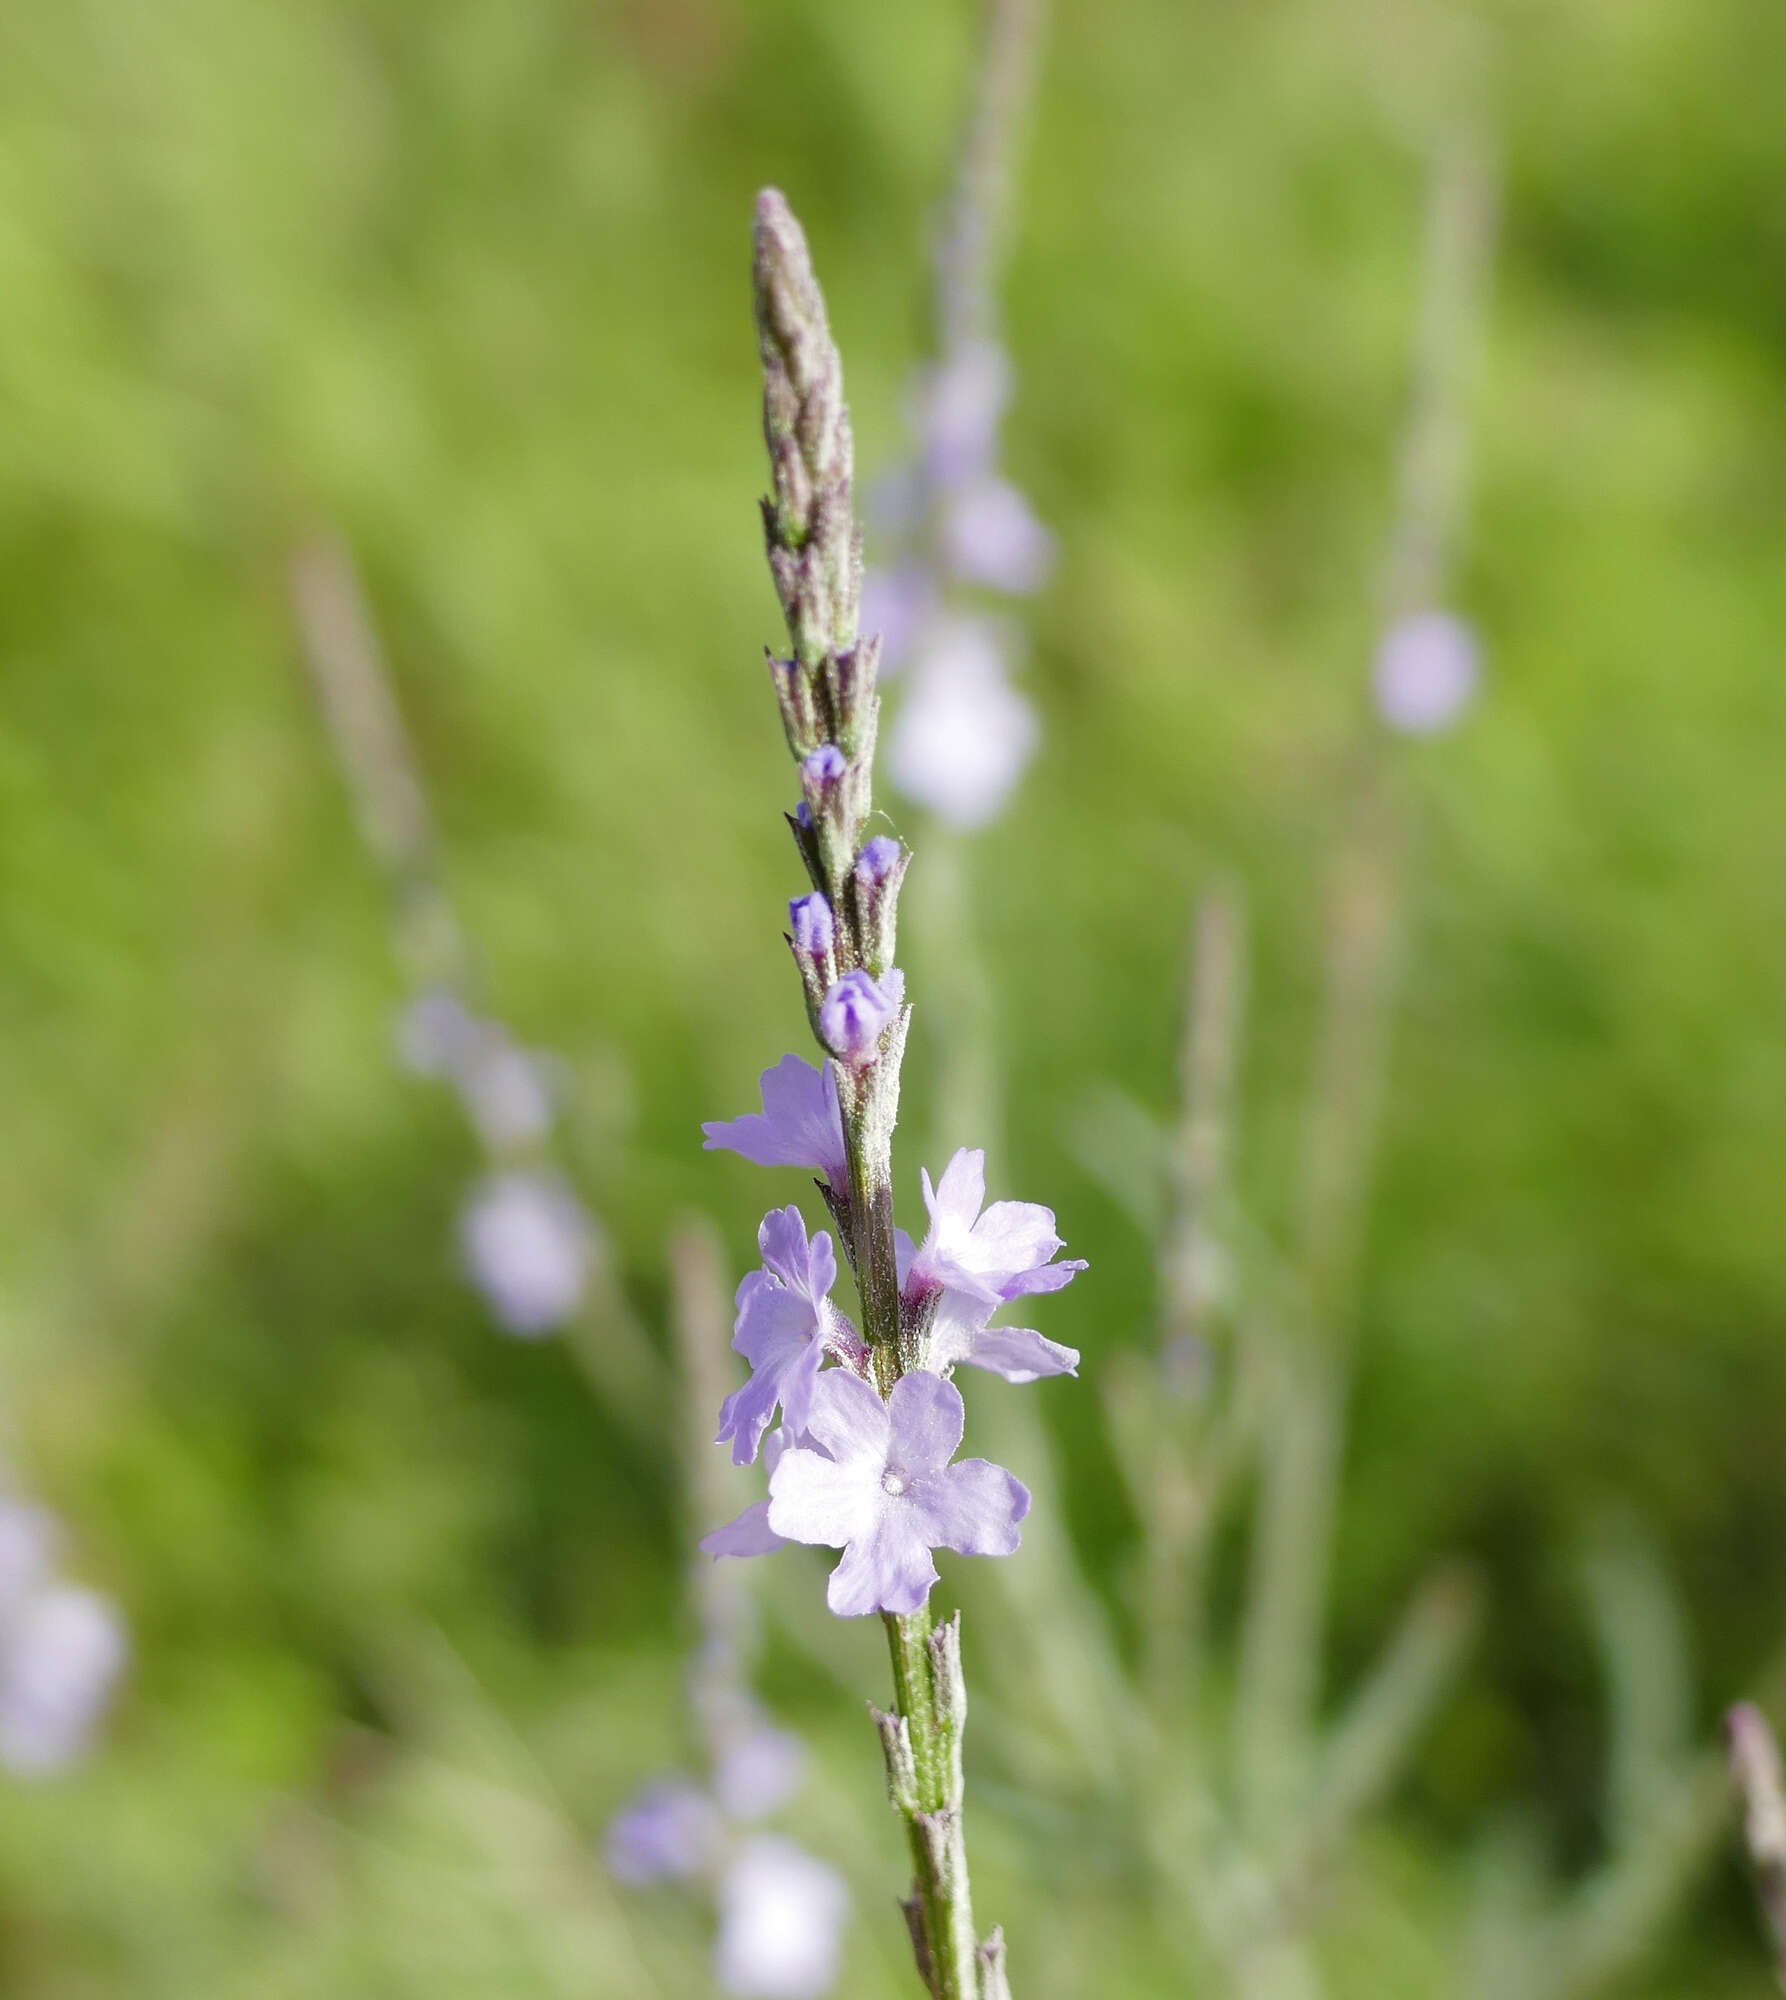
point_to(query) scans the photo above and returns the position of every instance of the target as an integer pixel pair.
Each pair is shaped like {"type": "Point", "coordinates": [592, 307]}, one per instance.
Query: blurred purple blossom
{"type": "Point", "coordinates": [963, 734]}
{"type": "Point", "coordinates": [991, 537]}
{"type": "Point", "coordinates": [528, 1246]}
{"type": "Point", "coordinates": [60, 1658]}
{"type": "Point", "coordinates": [1427, 670]}
{"type": "Point", "coordinates": [781, 1918]}
{"type": "Point", "coordinates": [671, 1833]}
{"type": "Point", "coordinates": [757, 1775]}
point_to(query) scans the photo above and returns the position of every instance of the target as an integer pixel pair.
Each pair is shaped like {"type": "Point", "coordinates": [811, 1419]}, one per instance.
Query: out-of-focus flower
{"type": "Point", "coordinates": [963, 734]}
{"type": "Point", "coordinates": [799, 1125]}
{"type": "Point", "coordinates": [671, 1833]}
{"type": "Point", "coordinates": [758, 1774]}
{"type": "Point", "coordinates": [898, 604]}
{"type": "Point", "coordinates": [528, 1246]}
{"type": "Point", "coordinates": [781, 1918]}
{"type": "Point", "coordinates": [1427, 670]}
{"type": "Point", "coordinates": [61, 1657]}
{"type": "Point", "coordinates": [991, 537]}
{"type": "Point", "coordinates": [28, 1537]}
{"type": "Point", "coordinates": [881, 1488]}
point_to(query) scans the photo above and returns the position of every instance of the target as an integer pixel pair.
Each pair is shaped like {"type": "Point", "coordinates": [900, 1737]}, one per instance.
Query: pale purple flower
{"type": "Point", "coordinates": [505, 1093]}
{"type": "Point", "coordinates": [1427, 669]}
{"type": "Point", "coordinates": [528, 1246]}
{"type": "Point", "coordinates": [857, 1011]}
{"type": "Point", "coordinates": [759, 1773]}
{"type": "Point", "coordinates": [671, 1832]}
{"type": "Point", "coordinates": [786, 1324]}
{"type": "Point", "coordinates": [799, 1125]}
{"type": "Point", "coordinates": [959, 407]}
{"type": "Point", "coordinates": [28, 1538]}
{"type": "Point", "coordinates": [991, 537]}
{"type": "Point", "coordinates": [781, 1918]}
{"type": "Point", "coordinates": [750, 1534]}
{"type": "Point", "coordinates": [999, 1255]}
{"type": "Point", "coordinates": [882, 1489]}
{"type": "Point", "coordinates": [62, 1655]}
{"type": "Point", "coordinates": [963, 734]}
{"type": "Point", "coordinates": [434, 1032]}
{"type": "Point", "coordinates": [898, 604]}
{"type": "Point", "coordinates": [960, 1337]}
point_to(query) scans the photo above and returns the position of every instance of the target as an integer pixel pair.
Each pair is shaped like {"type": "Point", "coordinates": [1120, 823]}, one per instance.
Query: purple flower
{"type": "Point", "coordinates": [963, 734]}
{"type": "Point", "coordinates": [814, 928]}
{"type": "Point", "coordinates": [750, 1534]}
{"type": "Point", "coordinates": [785, 1324]}
{"type": "Point", "coordinates": [883, 1490]}
{"type": "Point", "coordinates": [798, 1126]}
{"type": "Point", "coordinates": [1002, 1254]}
{"type": "Point", "coordinates": [857, 1011]}
{"type": "Point", "coordinates": [528, 1246]}
{"type": "Point", "coordinates": [61, 1657]}
{"type": "Point", "coordinates": [781, 1915]}
{"type": "Point", "coordinates": [670, 1833]}
{"type": "Point", "coordinates": [28, 1538]}
{"type": "Point", "coordinates": [1426, 673]}
{"type": "Point", "coordinates": [991, 537]}
{"type": "Point", "coordinates": [960, 1337]}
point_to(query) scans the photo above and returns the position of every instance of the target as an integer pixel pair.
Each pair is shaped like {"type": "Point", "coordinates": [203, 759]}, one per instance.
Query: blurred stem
{"type": "Point", "coordinates": [973, 233]}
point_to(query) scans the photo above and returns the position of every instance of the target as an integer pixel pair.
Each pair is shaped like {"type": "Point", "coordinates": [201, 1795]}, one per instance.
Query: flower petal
{"type": "Point", "coordinates": [849, 1420]}
{"type": "Point", "coordinates": [749, 1535]}
{"type": "Point", "coordinates": [887, 1569]}
{"type": "Point", "coordinates": [1020, 1355]}
{"type": "Point", "coordinates": [973, 1507]}
{"type": "Point", "coordinates": [927, 1418]}
{"type": "Point", "coordinates": [1046, 1278]}
{"type": "Point", "coordinates": [814, 1499]}
{"type": "Point", "coordinates": [799, 1125]}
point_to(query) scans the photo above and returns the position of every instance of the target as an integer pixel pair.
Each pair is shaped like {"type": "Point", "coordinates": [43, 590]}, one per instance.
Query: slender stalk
{"type": "Point", "coordinates": [830, 711]}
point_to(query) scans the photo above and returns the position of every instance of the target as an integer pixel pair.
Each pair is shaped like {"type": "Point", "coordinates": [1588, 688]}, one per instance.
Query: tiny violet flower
{"type": "Point", "coordinates": [781, 1918]}
{"type": "Point", "coordinates": [799, 1125]}
{"type": "Point", "coordinates": [750, 1533]}
{"type": "Point", "coordinates": [1426, 673]}
{"type": "Point", "coordinates": [898, 604]}
{"type": "Point", "coordinates": [786, 1324]}
{"type": "Point", "coordinates": [882, 1489]}
{"type": "Point", "coordinates": [60, 1661]}
{"type": "Point", "coordinates": [1002, 1254]}
{"type": "Point", "coordinates": [959, 1335]}
{"type": "Point", "coordinates": [961, 403]}
{"type": "Point", "coordinates": [964, 735]}
{"type": "Point", "coordinates": [528, 1246]}
{"type": "Point", "coordinates": [671, 1832]}
{"type": "Point", "coordinates": [857, 1011]}
{"type": "Point", "coordinates": [877, 861]}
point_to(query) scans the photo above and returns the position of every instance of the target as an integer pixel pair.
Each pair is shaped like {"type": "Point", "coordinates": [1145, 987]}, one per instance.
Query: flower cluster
{"type": "Point", "coordinates": [527, 1242]}
{"type": "Point", "coordinates": [781, 1911]}
{"type": "Point", "coordinates": [62, 1648]}
{"type": "Point", "coordinates": [847, 1468]}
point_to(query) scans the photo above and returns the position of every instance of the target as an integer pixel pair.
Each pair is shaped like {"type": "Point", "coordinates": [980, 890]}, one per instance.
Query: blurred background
{"type": "Point", "coordinates": [466, 285]}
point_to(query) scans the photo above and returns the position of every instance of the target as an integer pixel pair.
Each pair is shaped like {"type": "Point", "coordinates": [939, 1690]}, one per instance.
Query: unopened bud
{"type": "Point", "coordinates": [879, 870]}
{"type": "Point", "coordinates": [856, 1012]}
{"type": "Point", "coordinates": [813, 938]}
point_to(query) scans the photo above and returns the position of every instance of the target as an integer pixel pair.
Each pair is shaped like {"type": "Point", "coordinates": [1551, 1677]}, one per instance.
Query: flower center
{"type": "Point", "coordinates": [893, 1481]}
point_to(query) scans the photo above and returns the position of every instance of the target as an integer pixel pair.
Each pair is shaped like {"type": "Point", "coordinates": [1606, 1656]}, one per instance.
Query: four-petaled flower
{"type": "Point", "coordinates": [881, 1488]}
{"type": "Point", "coordinates": [786, 1324]}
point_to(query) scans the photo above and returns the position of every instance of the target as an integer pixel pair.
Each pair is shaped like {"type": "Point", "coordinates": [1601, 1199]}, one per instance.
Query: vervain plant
{"type": "Point", "coordinates": [864, 1458]}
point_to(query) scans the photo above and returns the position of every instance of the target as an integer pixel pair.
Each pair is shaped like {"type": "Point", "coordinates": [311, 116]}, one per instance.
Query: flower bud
{"type": "Point", "coordinates": [856, 1012]}
{"type": "Point", "coordinates": [813, 940]}
{"type": "Point", "coordinates": [825, 779]}
{"type": "Point", "coordinates": [794, 696]}
{"type": "Point", "coordinates": [880, 869]}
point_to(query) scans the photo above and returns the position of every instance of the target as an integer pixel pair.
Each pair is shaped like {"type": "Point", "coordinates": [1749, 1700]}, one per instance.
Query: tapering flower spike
{"type": "Point", "coordinates": [882, 1489]}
